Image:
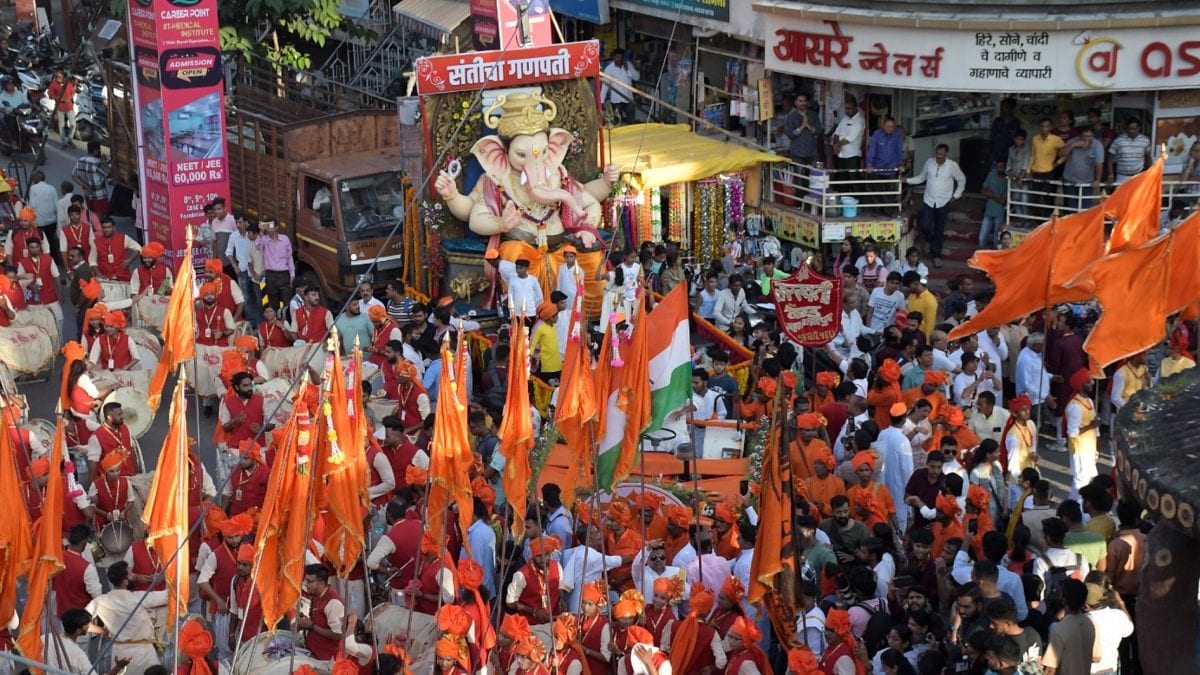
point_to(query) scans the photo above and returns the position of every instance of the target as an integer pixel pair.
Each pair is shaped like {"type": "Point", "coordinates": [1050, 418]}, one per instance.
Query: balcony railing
{"type": "Point", "coordinates": [1032, 202]}
{"type": "Point", "coordinates": [833, 194]}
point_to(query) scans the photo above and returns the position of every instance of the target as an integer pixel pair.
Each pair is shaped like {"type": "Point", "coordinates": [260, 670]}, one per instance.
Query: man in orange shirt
{"type": "Point", "coordinates": [954, 425]}
{"type": "Point", "coordinates": [653, 525]}
{"type": "Point", "coordinates": [724, 533]}
{"type": "Point", "coordinates": [821, 394]}
{"type": "Point", "coordinates": [930, 390]}
{"type": "Point", "coordinates": [870, 496]}
{"type": "Point", "coordinates": [622, 540]}
{"type": "Point", "coordinates": [823, 486]}
{"type": "Point", "coordinates": [885, 393]}
{"type": "Point", "coordinates": [806, 446]}
{"type": "Point", "coordinates": [678, 520]}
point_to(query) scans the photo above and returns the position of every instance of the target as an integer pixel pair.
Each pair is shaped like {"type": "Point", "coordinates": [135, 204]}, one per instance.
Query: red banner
{"type": "Point", "coordinates": [180, 117]}
{"type": "Point", "coordinates": [808, 307]}
{"type": "Point", "coordinates": [509, 68]}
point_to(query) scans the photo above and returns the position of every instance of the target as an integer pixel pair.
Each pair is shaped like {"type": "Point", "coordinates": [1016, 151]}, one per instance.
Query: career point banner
{"type": "Point", "coordinates": [180, 104]}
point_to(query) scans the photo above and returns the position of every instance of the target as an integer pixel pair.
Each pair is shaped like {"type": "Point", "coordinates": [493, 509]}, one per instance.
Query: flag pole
{"type": "Point", "coordinates": [1046, 333]}
{"type": "Point", "coordinates": [784, 458]}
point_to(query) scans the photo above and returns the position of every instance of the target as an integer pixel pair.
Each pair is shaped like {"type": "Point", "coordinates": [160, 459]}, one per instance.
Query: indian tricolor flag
{"type": "Point", "coordinates": [626, 415]}
{"type": "Point", "coordinates": [670, 357]}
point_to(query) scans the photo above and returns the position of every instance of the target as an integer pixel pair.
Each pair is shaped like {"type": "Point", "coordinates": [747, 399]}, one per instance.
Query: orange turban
{"type": "Point", "coordinates": [531, 647]}
{"type": "Point", "coordinates": [416, 476]}
{"type": "Point", "coordinates": [1021, 402]}
{"type": "Point", "coordinates": [639, 636]}
{"type": "Point", "coordinates": [96, 312]}
{"type": "Point", "coordinates": [827, 378]}
{"type": "Point", "coordinates": [627, 607]}
{"type": "Point", "coordinates": [377, 313]}
{"type": "Point", "coordinates": [934, 377]}
{"type": "Point", "coordinates": [152, 250]}
{"type": "Point", "coordinates": [237, 526]}
{"type": "Point", "coordinates": [723, 513]}
{"type": "Point", "coordinates": [40, 467]}
{"type": "Point", "coordinates": [978, 497]}
{"type": "Point", "coordinates": [649, 500]}
{"type": "Point", "coordinates": [596, 592]}
{"type": "Point", "coordinates": [487, 495]}
{"type": "Point", "coordinates": [196, 643]}
{"type": "Point", "coordinates": [618, 510]}
{"type": "Point", "coordinates": [447, 648]}
{"type": "Point", "coordinates": [663, 585]}
{"type": "Point", "coordinates": [90, 288]}
{"type": "Point", "coordinates": [767, 386]}
{"type": "Point", "coordinates": [245, 553]}
{"type": "Point", "coordinates": [702, 599]}
{"type": "Point", "coordinates": [679, 516]}
{"type": "Point", "coordinates": [429, 544]}
{"type": "Point", "coordinates": [889, 370]}
{"type": "Point", "coordinates": [952, 416]}
{"type": "Point", "coordinates": [249, 448]}
{"type": "Point", "coordinates": [544, 545]}
{"type": "Point", "coordinates": [802, 662]}
{"type": "Point", "coordinates": [470, 574]}
{"type": "Point", "coordinates": [112, 460]}
{"type": "Point", "coordinates": [733, 589]}
{"type": "Point", "coordinates": [863, 457]}
{"type": "Point", "coordinates": [406, 369]}
{"type": "Point", "coordinates": [27, 213]}
{"type": "Point", "coordinates": [898, 410]}
{"type": "Point", "coordinates": [809, 421]}
{"type": "Point", "coordinates": [214, 265]}
{"type": "Point", "coordinates": [565, 629]}
{"type": "Point", "coordinates": [947, 504]}
{"type": "Point", "coordinates": [547, 310]}
{"type": "Point", "coordinates": [824, 455]}
{"type": "Point", "coordinates": [867, 501]}
{"type": "Point", "coordinates": [213, 518]}
{"type": "Point", "coordinates": [515, 626]}
{"type": "Point", "coordinates": [246, 342]}
{"type": "Point", "coordinates": [746, 630]}
{"type": "Point", "coordinates": [454, 620]}
{"type": "Point", "coordinates": [838, 621]}
{"type": "Point", "coordinates": [208, 288]}
{"type": "Point", "coordinates": [116, 320]}
{"type": "Point", "coordinates": [344, 666]}
{"type": "Point", "coordinates": [1079, 378]}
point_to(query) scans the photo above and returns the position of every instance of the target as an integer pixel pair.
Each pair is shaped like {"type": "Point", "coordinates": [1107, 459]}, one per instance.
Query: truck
{"type": "Point", "coordinates": [329, 165]}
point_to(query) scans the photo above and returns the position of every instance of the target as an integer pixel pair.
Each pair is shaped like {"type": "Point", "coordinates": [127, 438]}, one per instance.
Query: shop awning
{"type": "Point", "coordinates": [672, 153]}
{"type": "Point", "coordinates": [435, 18]}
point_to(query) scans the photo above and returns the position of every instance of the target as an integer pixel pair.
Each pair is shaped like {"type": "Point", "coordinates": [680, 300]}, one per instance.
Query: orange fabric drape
{"type": "Point", "coordinates": [516, 430]}
{"type": "Point", "coordinates": [576, 412]}
{"type": "Point", "coordinates": [633, 394]}
{"type": "Point", "coordinates": [47, 551]}
{"type": "Point", "coordinates": [16, 543]}
{"type": "Point", "coordinates": [166, 512]}
{"type": "Point", "coordinates": [1136, 205]}
{"type": "Point", "coordinates": [179, 328]}
{"type": "Point", "coordinates": [1131, 287]}
{"type": "Point", "coordinates": [450, 455]}
{"type": "Point", "coordinates": [1035, 273]}
{"type": "Point", "coordinates": [774, 534]}
{"type": "Point", "coordinates": [1183, 288]}
{"type": "Point", "coordinates": [343, 470]}
{"type": "Point", "coordinates": [283, 534]}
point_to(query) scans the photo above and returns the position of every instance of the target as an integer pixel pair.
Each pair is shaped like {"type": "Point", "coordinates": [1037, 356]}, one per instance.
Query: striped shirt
{"type": "Point", "coordinates": [400, 312]}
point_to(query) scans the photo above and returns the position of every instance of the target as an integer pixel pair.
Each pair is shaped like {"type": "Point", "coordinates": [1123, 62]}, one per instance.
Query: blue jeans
{"type": "Point", "coordinates": [1079, 197]}
{"type": "Point", "coordinates": [253, 298]}
{"type": "Point", "coordinates": [989, 230]}
{"type": "Point", "coordinates": [933, 227]}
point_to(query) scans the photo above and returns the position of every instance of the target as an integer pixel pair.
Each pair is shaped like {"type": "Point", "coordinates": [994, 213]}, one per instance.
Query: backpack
{"type": "Point", "coordinates": [878, 626]}
{"type": "Point", "coordinates": [1056, 576]}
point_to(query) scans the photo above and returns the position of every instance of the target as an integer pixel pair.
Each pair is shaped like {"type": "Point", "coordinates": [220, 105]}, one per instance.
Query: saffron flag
{"type": "Point", "coordinates": [450, 456]}
{"type": "Point", "coordinates": [179, 327]}
{"type": "Point", "coordinates": [283, 523]}
{"type": "Point", "coordinates": [1131, 287]}
{"type": "Point", "coordinates": [340, 461]}
{"type": "Point", "coordinates": [628, 402]}
{"type": "Point", "coordinates": [16, 544]}
{"type": "Point", "coordinates": [516, 429]}
{"type": "Point", "coordinates": [1183, 289]}
{"type": "Point", "coordinates": [670, 346]}
{"type": "Point", "coordinates": [1136, 204]}
{"type": "Point", "coordinates": [1037, 272]}
{"type": "Point", "coordinates": [166, 512]}
{"type": "Point", "coordinates": [47, 551]}
{"type": "Point", "coordinates": [576, 413]}
{"type": "Point", "coordinates": [773, 543]}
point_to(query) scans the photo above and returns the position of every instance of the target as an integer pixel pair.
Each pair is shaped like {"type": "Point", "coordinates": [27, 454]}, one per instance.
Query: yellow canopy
{"type": "Point", "coordinates": [672, 153]}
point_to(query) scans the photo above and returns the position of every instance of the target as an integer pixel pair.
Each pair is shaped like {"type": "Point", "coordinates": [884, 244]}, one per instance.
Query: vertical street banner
{"type": "Point", "coordinates": [180, 104]}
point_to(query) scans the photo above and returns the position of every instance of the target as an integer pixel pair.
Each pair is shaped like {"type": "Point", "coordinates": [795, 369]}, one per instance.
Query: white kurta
{"type": "Point", "coordinates": [119, 608]}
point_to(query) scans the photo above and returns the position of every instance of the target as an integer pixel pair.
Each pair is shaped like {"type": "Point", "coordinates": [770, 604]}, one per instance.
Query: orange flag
{"type": "Point", "coordinates": [576, 413]}
{"type": "Point", "coordinates": [47, 552]}
{"type": "Point", "coordinates": [340, 463]}
{"type": "Point", "coordinates": [179, 327]}
{"type": "Point", "coordinates": [166, 512]}
{"type": "Point", "coordinates": [16, 544]}
{"type": "Point", "coordinates": [633, 398]}
{"type": "Point", "coordinates": [1035, 274]}
{"type": "Point", "coordinates": [516, 429]}
{"type": "Point", "coordinates": [283, 523]}
{"type": "Point", "coordinates": [774, 539]}
{"type": "Point", "coordinates": [450, 456]}
{"type": "Point", "coordinates": [1183, 289]}
{"type": "Point", "coordinates": [1136, 204]}
{"type": "Point", "coordinates": [1131, 287]}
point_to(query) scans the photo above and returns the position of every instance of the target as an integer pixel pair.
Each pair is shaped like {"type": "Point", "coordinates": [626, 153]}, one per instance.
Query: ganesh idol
{"type": "Point", "coordinates": [526, 203]}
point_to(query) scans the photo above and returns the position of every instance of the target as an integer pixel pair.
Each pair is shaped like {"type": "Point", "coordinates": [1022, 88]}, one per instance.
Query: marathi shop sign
{"type": "Point", "coordinates": [1057, 61]}
{"type": "Point", "coordinates": [508, 68]}
{"type": "Point", "coordinates": [808, 307]}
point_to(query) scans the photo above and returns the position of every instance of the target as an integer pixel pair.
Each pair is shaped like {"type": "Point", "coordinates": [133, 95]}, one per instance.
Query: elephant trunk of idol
{"type": "Point", "coordinates": [545, 187]}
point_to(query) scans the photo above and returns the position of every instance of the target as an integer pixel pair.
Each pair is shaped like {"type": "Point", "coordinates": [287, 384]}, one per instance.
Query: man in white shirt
{"type": "Point", "coordinates": [1033, 380]}
{"type": "Point", "coordinates": [885, 300]}
{"type": "Point", "coordinates": [944, 182]}
{"type": "Point", "coordinates": [988, 419]}
{"type": "Point", "coordinates": [584, 564]}
{"type": "Point", "coordinates": [848, 138]}
{"type": "Point", "coordinates": [124, 610]}
{"type": "Point", "coordinates": [524, 291]}
{"type": "Point", "coordinates": [706, 405]}
{"type": "Point", "coordinates": [620, 98]}
{"type": "Point", "coordinates": [730, 303]}
{"type": "Point", "coordinates": [650, 565]}
{"type": "Point", "coordinates": [43, 197]}
{"type": "Point", "coordinates": [895, 459]}
{"type": "Point", "coordinates": [993, 344]}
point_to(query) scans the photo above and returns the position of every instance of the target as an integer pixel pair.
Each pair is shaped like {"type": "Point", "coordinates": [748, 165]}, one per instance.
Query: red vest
{"type": "Point", "coordinates": [702, 656]}
{"type": "Point", "coordinates": [19, 237]}
{"type": "Point", "coordinates": [111, 497]}
{"type": "Point", "coordinates": [400, 458]}
{"type": "Point", "coordinates": [253, 409]}
{"type": "Point", "coordinates": [16, 297]}
{"type": "Point", "coordinates": [272, 336]}
{"type": "Point", "coordinates": [82, 402]}
{"type": "Point", "coordinates": [591, 631]}
{"type": "Point", "coordinates": [406, 538]}
{"type": "Point", "coordinates": [322, 648]}
{"type": "Point", "coordinates": [723, 622]}
{"type": "Point", "coordinates": [372, 452]}
{"type": "Point", "coordinates": [735, 662]}
{"type": "Point", "coordinates": [429, 586]}
{"type": "Point", "coordinates": [69, 589]}
{"type": "Point", "coordinates": [210, 324]}
{"type": "Point", "coordinates": [536, 591]}
{"type": "Point", "coordinates": [248, 600]}
{"type": "Point", "coordinates": [249, 488]}
{"type": "Point", "coordinates": [407, 409]}
{"type": "Point", "coordinates": [657, 621]}
{"type": "Point", "coordinates": [117, 441]}
{"type": "Point", "coordinates": [225, 297]}
{"type": "Point", "coordinates": [151, 279]}
{"type": "Point", "coordinates": [111, 257]}
{"type": "Point", "coordinates": [565, 659]}
{"type": "Point", "coordinates": [144, 562]}
{"type": "Point", "coordinates": [78, 235]}
{"type": "Point", "coordinates": [310, 323]}
{"type": "Point", "coordinates": [834, 654]}
{"type": "Point", "coordinates": [42, 270]}
{"type": "Point", "coordinates": [226, 570]}
{"type": "Point", "coordinates": [379, 340]}
{"type": "Point", "coordinates": [114, 351]}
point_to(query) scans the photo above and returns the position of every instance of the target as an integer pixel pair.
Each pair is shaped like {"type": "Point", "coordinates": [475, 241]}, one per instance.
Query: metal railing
{"type": "Point", "coordinates": [307, 90]}
{"type": "Point", "coordinates": [1031, 202]}
{"type": "Point", "coordinates": [833, 194]}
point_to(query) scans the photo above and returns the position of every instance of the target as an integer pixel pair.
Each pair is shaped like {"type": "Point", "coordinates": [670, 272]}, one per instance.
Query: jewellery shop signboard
{"type": "Point", "coordinates": [1020, 61]}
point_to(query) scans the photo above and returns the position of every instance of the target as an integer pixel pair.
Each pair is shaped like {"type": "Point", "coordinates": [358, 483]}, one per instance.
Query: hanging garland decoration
{"type": "Point", "coordinates": [735, 199]}
{"type": "Point", "coordinates": [675, 213]}
{"type": "Point", "coordinates": [656, 223]}
{"type": "Point", "coordinates": [644, 207]}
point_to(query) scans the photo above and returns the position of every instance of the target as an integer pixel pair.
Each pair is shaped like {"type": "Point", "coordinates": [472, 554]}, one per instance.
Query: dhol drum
{"type": "Point", "coordinates": [28, 349]}
{"type": "Point", "coordinates": [43, 432]}
{"type": "Point", "coordinates": [112, 542]}
{"type": "Point", "coordinates": [272, 654]}
{"type": "Point", "coordinates": [115, 292]}
{"type": "Point", "coordinates": [289, 362]}
{"type": "Point", "coordinates": [151, 311]}
{"type": "Point", "coordinates": [149, 348]}
{"type": "Point", "coordinates": [204, 375]}
{"type": "Point", "coordinates": [418, 632]}
{"type": "Point", "coordinates": [277, 400]}
{"type": "Point", "coordinates": [136, 407]}
{"type": "Point", "coordinates": [43, 318]}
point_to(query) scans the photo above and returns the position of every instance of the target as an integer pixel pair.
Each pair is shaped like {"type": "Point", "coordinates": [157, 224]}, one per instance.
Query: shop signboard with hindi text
{"type": "Point", "coordinates": [1020, 61]}
{"type": "Point", "coordinates": [508, 68]}
{"type": "Point", "coordinates": [180, 102]}
{"type": "Point", "coordinates": [717, 10]}
{"type": "Point", "coordinates": [808, 307]}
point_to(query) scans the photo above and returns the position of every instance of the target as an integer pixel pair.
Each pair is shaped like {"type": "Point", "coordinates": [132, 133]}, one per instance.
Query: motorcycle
{"type": "Point", "coordinates": [30, 132]}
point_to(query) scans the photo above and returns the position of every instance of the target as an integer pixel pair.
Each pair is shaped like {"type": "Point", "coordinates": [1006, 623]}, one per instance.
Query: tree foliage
{"type": "Point", "coordinates": [247, 27]}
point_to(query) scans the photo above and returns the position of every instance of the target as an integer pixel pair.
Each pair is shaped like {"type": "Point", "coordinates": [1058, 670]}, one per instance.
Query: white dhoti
{"type": "Point", "coordinates": [219, 623]}
{"type": "Point", "coordinates": [142, 655]}
{"type": "Point", "coordinates": [1083, 454]}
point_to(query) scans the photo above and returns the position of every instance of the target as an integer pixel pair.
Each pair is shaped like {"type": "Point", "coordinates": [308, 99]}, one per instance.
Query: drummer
{"type": "Point", "coordinates": [112, 437]}
{"type": "Point", "coordinates": [311, 322]}
{"type": "Point", "coordinates": [216, 565]}
{"type": "Point", "coordinates": [83, 394]}
{"type": "Point", "coordinates": [241, 413]}
{"type": "Point", "coordinates": [247, 486]}
{"type": "Point", "coordinates": [76, 233]}
{"type": "Point", "coordinates": [93, 325]}
{"type": "Point", "coordinates": [39, 275]}
{"type": "Point", "coordinates": [112, 253]}
{"type": "Point", "coordinates": [114, 350]}
{"type": "Point", "coordinates": [273, 332]}
{"type": "Point", "coordinates": [15, 247]}
{"type": "Point", "coordinates": [111, 493]}
{"type": "Point", "coordinates": [246, 605]}
{"type": "Point", "coordinates": [229, 294]}
{"type": "Point", "coordinates": [151, 277]}
{"type": "Point", "coordinates": [243, 358]}
{"type": "Point", "coordinates": [31, 492]}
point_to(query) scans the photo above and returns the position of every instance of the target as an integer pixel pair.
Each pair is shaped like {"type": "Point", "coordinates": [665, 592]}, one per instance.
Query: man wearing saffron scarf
{"type": "Point", "coordinates": [678, 520]}
{"type": "Point", "coordinates": [114, 350]}
{"type": "Point", "coordinates": [930, 390]}
{"type": "Point", "coordinates": [437, 578]}
{"type": "Point", "coordinates": [871, 495]}
{"type": "Point", "coordinates": [724, 533]}
{"type": "Point", "coordinates": [622, 540]}
{"type": "Point", "coordinates": [821, 394]}
{"type": "Point", "coordinates": [1018, 441]}
{"type": "Point", "coordinates": [885, 393]}
{"type": "Point", "coordinates": [744, 654]}
{"type": "Point", "coordinates": [807, 445]}
{"type": "Point", "coordinates": [694, 645]}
